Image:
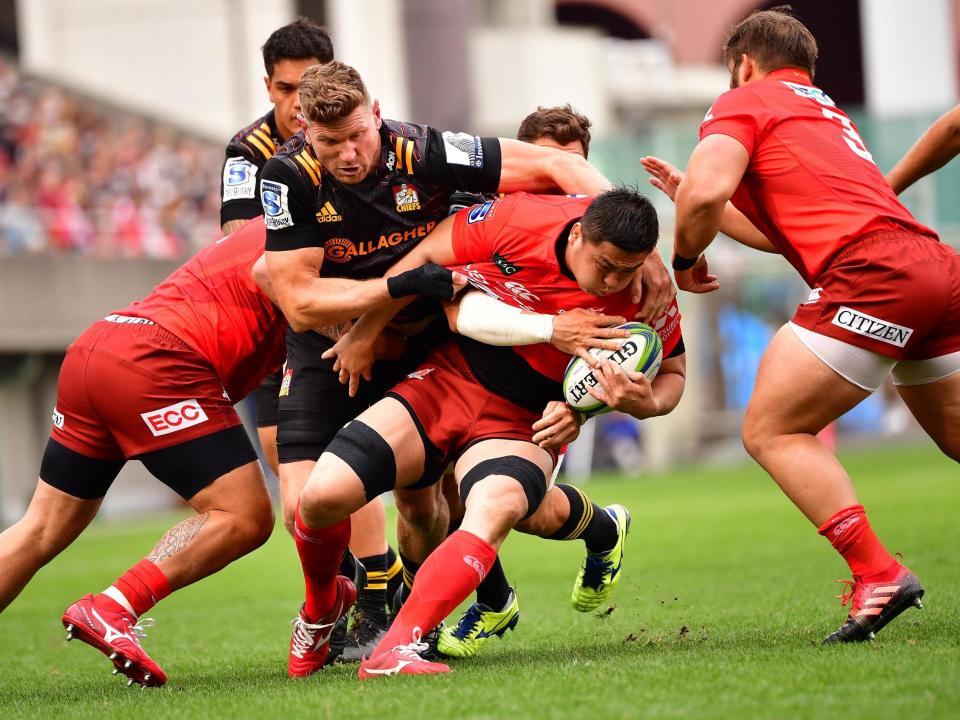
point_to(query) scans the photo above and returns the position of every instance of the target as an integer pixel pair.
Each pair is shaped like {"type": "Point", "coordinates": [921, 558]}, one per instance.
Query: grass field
{"type": "Point", "coordinates": [726, 593]}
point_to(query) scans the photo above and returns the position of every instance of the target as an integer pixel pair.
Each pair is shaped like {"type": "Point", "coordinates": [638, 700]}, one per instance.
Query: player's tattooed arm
{"type": "Point", "coordinates": [178, 537]}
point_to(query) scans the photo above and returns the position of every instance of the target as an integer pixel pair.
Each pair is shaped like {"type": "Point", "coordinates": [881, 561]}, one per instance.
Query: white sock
{"type": "Point", "coordinates": [114, 594]}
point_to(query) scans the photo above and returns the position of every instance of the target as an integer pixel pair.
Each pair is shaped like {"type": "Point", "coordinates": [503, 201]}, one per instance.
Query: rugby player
{"type": "Point", "coordinates": [885, 292]}
{"type": "Point", "coordinates": [156, 382]}
{"type": "Point", "coordinates": [349, 197]}
{"type": "Point", "coordinates": [474, 404]}
{"type": "Point", "coordinates": [938, 146]}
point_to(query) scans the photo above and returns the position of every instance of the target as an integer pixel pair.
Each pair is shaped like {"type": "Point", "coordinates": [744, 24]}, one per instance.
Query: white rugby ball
{"type": "Point", "coordinates": [641, 352]}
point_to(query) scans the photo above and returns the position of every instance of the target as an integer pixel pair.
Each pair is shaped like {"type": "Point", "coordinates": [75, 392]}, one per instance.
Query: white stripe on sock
{"type": "Point", "coordinates": [114, 594]}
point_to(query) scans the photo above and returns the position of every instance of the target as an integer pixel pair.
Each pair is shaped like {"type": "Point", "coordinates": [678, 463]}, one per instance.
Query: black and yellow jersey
{"type": "Point", "coordinates": [365, 228]}
{"type": "Point", "coordinates": [247, 153]}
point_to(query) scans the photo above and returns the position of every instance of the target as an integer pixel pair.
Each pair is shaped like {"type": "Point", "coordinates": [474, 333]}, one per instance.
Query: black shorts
{"type": "Point", "coordinates": [265, 399]}
{"type": "Point", "coordinates": [315, 405]}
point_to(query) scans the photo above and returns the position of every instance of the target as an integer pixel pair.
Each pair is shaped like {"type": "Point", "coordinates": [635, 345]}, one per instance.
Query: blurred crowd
{"type": "Point", "coordinates": [76, 178]}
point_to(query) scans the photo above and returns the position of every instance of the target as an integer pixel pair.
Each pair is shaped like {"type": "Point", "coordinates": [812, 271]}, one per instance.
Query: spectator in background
{"type": "Point", "coordinates": [77, 179]}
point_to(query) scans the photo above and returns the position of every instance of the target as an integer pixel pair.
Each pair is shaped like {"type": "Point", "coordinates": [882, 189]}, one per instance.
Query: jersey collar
{"type": "Point", "coordinates": [560, 248]}
{"type": "Point", "coordinates": [790, 73]}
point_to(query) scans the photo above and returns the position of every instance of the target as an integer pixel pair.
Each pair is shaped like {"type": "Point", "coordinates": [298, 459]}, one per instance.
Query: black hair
{"type": "Point", "coordinates": [624, 218]}
{"type": "Point", "coordinates": [300, 40]}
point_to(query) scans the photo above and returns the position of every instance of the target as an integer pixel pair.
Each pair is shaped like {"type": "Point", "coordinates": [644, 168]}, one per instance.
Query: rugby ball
{"type": "Point", "coordinates": [641, 352]}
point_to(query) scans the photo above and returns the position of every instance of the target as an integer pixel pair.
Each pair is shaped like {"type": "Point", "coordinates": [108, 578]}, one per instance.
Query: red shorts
{"type": "Point", "coordinates": [130, 387]}
{"type": "Point", "coordinates": [455, 410]}
{"type": "Point", "coordinates": [894, 293]}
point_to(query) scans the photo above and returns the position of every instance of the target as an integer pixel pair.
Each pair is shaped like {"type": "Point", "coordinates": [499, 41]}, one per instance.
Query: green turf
{"type": "Point", "coordinates": [726, 593]}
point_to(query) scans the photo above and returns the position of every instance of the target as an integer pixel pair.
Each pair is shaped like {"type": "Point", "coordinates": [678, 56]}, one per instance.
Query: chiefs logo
{"type": "Point", "coordinates": [338, 250]}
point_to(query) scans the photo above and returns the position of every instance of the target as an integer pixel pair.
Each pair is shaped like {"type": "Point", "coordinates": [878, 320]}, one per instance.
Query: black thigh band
{"type": "Point", "coordinates": [75, 474]}
{"type": "Point", "coordinates": [368, 455]}
{"type": "Point", "coordinates": [191, 466]}
{"type": "Point", "coordinates": [266, 399]}
{"type": "Point", "coordinates": [525, 472]}
{"type": "Point", "coordinates": [433, 461]}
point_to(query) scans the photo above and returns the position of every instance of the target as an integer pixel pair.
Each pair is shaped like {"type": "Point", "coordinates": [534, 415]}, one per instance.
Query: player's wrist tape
{"type": "Point", "coordinates": [681, 263]}
{"type": "Point", "coordinates": [492, 322]}
{"type": "Point", "coordinates": [429, 281]}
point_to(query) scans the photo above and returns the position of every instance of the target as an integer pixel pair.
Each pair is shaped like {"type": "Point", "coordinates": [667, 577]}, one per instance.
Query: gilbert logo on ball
{"type": "Point", "coordinates": [641, 352]}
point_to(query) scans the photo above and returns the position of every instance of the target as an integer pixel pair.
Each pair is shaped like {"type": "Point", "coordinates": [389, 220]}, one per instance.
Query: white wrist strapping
{"type": "Point", "coordinates": [492, 322]}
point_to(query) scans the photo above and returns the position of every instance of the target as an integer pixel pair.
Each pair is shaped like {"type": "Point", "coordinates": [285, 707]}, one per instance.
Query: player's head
{"type": "Point", "coordinates": [558, 127]}
{"type": "Point", "coordinates": [340, 121]}
{"type": "Point", "coordinates": [766, 41]}
{"type": "Point", "coordinates": [286, 54]}
{"type": "Point", "coordinates": [611, 241]}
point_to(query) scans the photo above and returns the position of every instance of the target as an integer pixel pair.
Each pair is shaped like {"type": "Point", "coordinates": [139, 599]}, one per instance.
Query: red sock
{"type": "Point", "coordinates": [321, 550]}
{"type": "Point", "coordinates": [850, 534]}
{"type": "Point", "coordinates": [445, 579]}
{"type": "Point", "coordinates": [143, 586]}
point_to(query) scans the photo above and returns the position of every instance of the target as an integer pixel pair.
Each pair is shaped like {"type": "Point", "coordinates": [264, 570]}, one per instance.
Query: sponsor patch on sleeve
{"type": "Point", "coordinates": [239, 179]}
{"type": "Point", "coordinates": [463, 149]}
{"type": "Point", "coordinates": [276, 209]}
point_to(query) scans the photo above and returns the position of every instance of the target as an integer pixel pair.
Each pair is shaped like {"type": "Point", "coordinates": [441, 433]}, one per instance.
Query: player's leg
{"type": "Point", "coordinates": [265, 401]}
{"type": "Point", "coordinates": [368, 543]}
{"type": "Point", "coordinates": [422, 524]}
{"type": "Point", "coordinates": [501, 483]}
{"type": "Point", "coordinates": [368, 457]}
{"type": "Point", "coordinates": [936, 406]}
{"type": "Point", "coordinates": [796, 395]}
{"type": "Point", "coordinates": [568, 514]}
{"type": "Point", "coordinates": [61, 507]}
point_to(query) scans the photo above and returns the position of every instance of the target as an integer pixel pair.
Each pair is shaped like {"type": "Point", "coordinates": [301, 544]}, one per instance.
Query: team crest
{"type": "Point", "coordinates": [285, 384]}
{"type": "Point", "coordinates": [406, 198]}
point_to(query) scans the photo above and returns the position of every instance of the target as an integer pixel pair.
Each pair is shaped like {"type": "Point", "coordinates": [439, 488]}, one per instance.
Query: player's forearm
{"type": "Point", "coordinates": [935, 148]}
{"type": "Point", "coordinates": [487, 320]}
{"type": "Point", "coordinates": [231, 226]}
{"type": "Point", "coordinates": [574, 175]}
{"type": "Point", "coordinates": [735, 225]}
{"type": "Point", "coordinates": [699, 215]}
{"type": "Point", "coordinates": [328, 301]}
{"type": "Point", "coordinates": [667, 389]}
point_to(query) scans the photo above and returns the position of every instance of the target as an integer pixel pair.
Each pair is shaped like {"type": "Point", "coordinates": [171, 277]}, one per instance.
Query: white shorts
{"type": "Point", "coordinates": [868, 369]}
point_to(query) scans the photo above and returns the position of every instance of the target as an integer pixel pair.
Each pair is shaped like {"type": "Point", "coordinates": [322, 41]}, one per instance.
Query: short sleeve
{"type": "Point", "coordinates": [460, 161]}
{"type": "Point", "coordinates": [668, 328]}
{"type": "Point", "coordinates": [738, 114]}
{"type": "Point", "coordinates": [238, 185]}
{"type": "Point", "coordinates": [476, 230]}
{"type": "Point", "coordinates": [288, 209]}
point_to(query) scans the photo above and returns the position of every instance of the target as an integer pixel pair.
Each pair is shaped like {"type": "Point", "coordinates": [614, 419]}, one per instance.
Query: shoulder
{"type": "Point", "coordinates": [295, 160]}
{"type": "Point", "coordinates": [257, 141]}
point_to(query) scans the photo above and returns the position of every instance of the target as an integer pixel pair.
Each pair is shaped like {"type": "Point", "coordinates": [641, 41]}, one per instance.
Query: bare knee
{"type": "Point", "coordinates": [251, 527]}
{"type": "Point", "coordinates": [754, 436]}
{"type": "Point", "coordinates": [420, 510]}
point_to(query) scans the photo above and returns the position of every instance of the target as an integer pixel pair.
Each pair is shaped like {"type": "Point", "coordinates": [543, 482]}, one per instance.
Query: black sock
{"type": "Point", "coordinates": [372, 599]}
{"type": "Point", "coordinates": [394, 574]}
{"type": "Point", "coordinates": [494, 590]}
{"type": "Point", "coordinates": [587, 521]}
{"type": "Point", "coordinates": [410, 568]}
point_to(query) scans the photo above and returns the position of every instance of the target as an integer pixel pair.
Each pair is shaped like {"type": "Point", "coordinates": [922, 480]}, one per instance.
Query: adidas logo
{"type": "Point", "coordinates": [328, 214]}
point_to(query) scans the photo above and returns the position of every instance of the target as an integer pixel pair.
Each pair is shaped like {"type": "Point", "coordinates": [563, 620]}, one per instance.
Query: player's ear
{"type": "Point", "coordinates": [576, 234]}
{"type": "Point", "coordinates": [376, 113]}
{"type": "Point", "coordinates": [266, 82]}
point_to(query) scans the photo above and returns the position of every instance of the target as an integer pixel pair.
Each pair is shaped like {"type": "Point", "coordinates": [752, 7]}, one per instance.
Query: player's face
{"type": "Point", "coordinates": [282, 87]}
{"type": "Point", "coordinates": [601, 268]}
{"type": "Point", "coordinates": [350, 148]}
{"type": "Point", "coordinates": [571, 147]}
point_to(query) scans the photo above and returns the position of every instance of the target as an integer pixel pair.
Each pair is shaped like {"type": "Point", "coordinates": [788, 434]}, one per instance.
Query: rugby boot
{"type": "Point", "coordinates": [873, 605]}
{"type": "Point", "coordinates": [310, 642]}
{"type": "Point", "coordinates": [401, 660]}
{"type": "Point", "coordinates": [477, 624]}
{"type": "Point", "coordinates": [117, 635]}
{"type": "Point", "coordinates": [431, 639]}
{"type": "Point", "coordinates": [364, 635]}
{"type": "Point", "coordinates": [600, 572]}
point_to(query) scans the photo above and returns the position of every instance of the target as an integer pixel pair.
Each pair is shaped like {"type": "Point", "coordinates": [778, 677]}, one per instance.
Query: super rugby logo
{"type": "Point", "coordinates": [343, 250]}
{"type": "Point", "coordinates": [626, 351]}
{"type": "Point", "coordinates": [174, 418]}
{"type": "Point", "coordinates": [869, 326]}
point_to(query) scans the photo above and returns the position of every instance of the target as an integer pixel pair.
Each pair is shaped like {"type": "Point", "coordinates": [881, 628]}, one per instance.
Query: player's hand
{"type": "Point", "coordinates": [626, 391]}
{"type": "Point", "coordinates": [698, 278]}
{"type": "Point", "coordinates": [559, 426]}
{"type": "Point", "coordinates": [652, 283]}
{"type": "Point", "coordinates": [663, 176]}
{"type": "Point", "coordinates": [354, 360]}
{"type": "Point", "coordinates": [576, 331]}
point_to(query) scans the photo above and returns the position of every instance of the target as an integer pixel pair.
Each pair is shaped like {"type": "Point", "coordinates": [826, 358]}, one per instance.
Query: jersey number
{"type": "Point", "coordinates": [852, 138]}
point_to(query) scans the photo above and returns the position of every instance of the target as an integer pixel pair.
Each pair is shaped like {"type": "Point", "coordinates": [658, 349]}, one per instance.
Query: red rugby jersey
{"type": "Point", "coordinates": [509, 249]}
{"type": "Point", "coordinates": [811, 186]}
{"type": "Point", "coordinates": [213, 305]}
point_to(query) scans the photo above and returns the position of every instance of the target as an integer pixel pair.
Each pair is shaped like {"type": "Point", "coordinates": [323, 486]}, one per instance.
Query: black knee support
{"type": "Point", "coordinates": [368, 455]}
{"type": "Point", "coordinates": [525, 472]}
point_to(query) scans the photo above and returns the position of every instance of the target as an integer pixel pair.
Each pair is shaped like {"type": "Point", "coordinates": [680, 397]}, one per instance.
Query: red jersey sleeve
{"type": "Point", "coordinates": [668, 328]}
{"type": "Point", "coordinates": [739, 114]}
{"type": "Point", "coordinates": [476, 229]}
